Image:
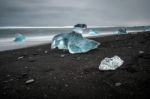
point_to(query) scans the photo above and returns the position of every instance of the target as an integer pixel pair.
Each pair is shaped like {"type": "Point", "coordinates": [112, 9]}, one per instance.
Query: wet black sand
{"type": "Point", "coordinates": [58, 74]}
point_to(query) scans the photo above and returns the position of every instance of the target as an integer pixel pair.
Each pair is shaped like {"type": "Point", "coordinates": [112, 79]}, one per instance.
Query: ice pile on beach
{"type": "Point", "coordinates": [111, 63]}
{"type": "Point", "coordinates": [19, 37]}
{"type": "Point", "coordinates": [74, 42]}
{"type": "Point", "coordinates": [82, 28]}
{"type": "Point", "coordinates": [122, 30]}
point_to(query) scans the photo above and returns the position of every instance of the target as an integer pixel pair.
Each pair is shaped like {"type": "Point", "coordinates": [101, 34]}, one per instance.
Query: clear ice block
{"type": "Point", "coordinates": [19, 37]}
{"type": "Point", "coordinates": [74, 42]}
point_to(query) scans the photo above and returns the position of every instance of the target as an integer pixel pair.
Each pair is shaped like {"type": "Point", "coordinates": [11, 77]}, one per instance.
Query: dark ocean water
{"type": "Point", "coordinates": [9, 32]}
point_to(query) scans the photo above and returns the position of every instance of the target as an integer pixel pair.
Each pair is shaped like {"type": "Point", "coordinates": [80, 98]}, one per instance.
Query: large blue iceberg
{"type": "Point", "coordinates": [74, 42]}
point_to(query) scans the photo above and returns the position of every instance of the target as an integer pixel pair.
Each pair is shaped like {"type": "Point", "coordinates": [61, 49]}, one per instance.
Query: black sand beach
{"type": "Point", "coordinates": [60, 75]}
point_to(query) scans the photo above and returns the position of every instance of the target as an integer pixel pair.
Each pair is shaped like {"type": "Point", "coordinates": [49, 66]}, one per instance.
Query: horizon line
{"type": "Point", "coordinates": [46, 27]}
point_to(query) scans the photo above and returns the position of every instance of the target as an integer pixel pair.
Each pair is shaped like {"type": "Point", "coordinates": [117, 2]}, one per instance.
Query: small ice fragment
{"type": "Point", "coordinates": [79, 28]}
{"type": "Point", "coordinates": [80, 25]}
{"type": "Point", "coordinates": [122, 30]}
{"type": "Point", "coordinates": [111, 63]}
{"type": "Point", "coordinates": [74, 42]}
{"type": "Point", "coordinates": [82, 29]}
{"type": "Point", "coordinates": [19, 38]}
{"type": "Point", "coordinates": [147, 28]}
{"type": "Point", "coordinates": [92, 32]}
{"type": "Point", "coordinates": [29, 81]}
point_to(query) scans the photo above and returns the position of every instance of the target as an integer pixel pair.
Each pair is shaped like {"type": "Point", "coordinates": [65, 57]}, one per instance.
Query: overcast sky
{"type": "Point", "coordinates": [70, 12]}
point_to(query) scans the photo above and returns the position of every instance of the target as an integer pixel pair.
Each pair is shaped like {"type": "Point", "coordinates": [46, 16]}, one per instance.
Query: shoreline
{"type": "Point", "coordinates": [8, 44]}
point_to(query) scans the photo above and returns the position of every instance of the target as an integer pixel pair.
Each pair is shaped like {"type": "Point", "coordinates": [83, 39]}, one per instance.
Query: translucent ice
{"type": "Point", "coordinates": [79, 28]}
{"type": "Point", "coordinates": [147, 29]}
{"type": "Point", "coordinates": [19, 37]}
{"type": "Point", "coordinates": [122, 30]}
{"type": "Point", "coordinates": [84, 30]}
{"type": "Point", "coordinates": [74, 42]}
{"type": "Point", "coordinates": [60, 41]}
{"type": "Point", "coordinates": [92, 32]}
{"type": "Point", "coordinates": [82, 46]}
{"type": "Point", "coordinates": [111, 63]}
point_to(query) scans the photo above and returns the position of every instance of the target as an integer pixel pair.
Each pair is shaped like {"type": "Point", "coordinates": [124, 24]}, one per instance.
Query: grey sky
{"type": "Point", "coordinates": [70, 12]}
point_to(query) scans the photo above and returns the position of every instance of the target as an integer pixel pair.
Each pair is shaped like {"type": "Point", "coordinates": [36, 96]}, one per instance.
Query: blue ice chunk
{"type": "Point", "coordinates": [19, 37]}
{"type": "Point", "coordinates": [92, 32]}
{"type": "Point", "coordinates": [80, 26]}
{"type": "Point", "coordinates": [78, 30]}
{"type": "Point", "coordinates": [122, 30]}
{"type": "Point", "coordinates": [82, 46]}
{"type": "Point", "coordinates": [74, 42]}
{"type": "Point", "coordinates": [147, 28]}
{"type": "Point", "coordinates": [60, 41]}
{"type": "Point", "coordinates": [84, 31]}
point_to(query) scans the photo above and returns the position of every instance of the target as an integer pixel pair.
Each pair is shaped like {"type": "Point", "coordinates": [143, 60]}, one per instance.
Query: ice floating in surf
{"type": "Point", "coordinates": [111, 63]}
{"type": "Point", "coordinates": [79, 28]}
{"type": "Point", "coordinates": [147, 29]}
{"type": "Point", "coordinates": [19, 37]}
{"type": "Point", "coordinates": [74, 42]}
{"type": "Point", "coordinates": [82, 29]}
{"type": "Point", "coordinates": [84, 26]}
{"type": "Point", "coordinates": [122, 30]}
{"type": "Point", "coordinates": [92, 32]}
